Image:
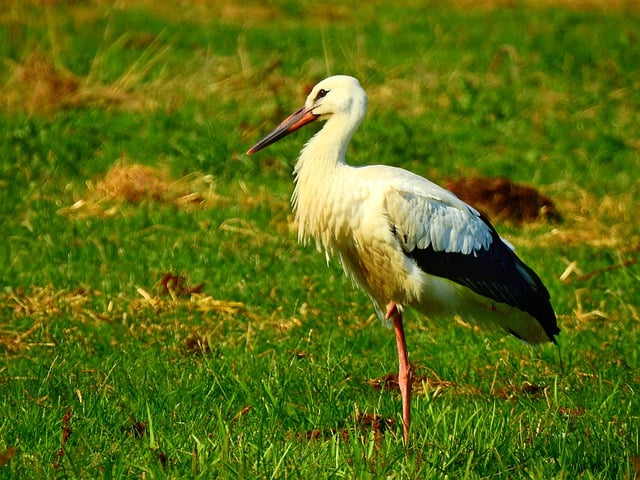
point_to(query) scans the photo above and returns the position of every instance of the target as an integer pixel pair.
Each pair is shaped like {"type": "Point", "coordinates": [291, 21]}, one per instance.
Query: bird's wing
{"type": "Point", "coordinates": [449, 239]}
{"type": "Point", "coordinates": [426, 215]}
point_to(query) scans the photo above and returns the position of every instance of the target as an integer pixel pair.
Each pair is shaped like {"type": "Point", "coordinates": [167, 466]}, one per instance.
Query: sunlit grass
{"type": "Point", "coordinates": [159, 318]}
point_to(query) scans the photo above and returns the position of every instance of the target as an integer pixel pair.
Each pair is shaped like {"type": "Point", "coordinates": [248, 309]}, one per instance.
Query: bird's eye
{"type": "Point", "coordinates": [321, 93]}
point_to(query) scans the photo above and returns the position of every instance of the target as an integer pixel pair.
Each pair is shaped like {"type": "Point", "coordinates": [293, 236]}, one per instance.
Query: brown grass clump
{"type": "Point", "coordinates": [134, 183]}
{"type": "Point", "coordinates": [38, 86]}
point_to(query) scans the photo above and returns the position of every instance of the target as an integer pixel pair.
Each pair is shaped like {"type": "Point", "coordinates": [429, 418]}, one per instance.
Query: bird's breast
{"type": "Point", "coordinates": [346, 216]}
{"type": "Point", "coordinates": [327, 207]}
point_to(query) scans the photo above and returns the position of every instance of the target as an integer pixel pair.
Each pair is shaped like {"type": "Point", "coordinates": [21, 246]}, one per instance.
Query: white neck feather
{"type": "Point", "coordinates": [318, 188]}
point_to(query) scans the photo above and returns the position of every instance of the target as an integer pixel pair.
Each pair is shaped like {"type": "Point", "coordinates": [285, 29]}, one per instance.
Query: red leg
{"type": "Point", "coordinates": [404, 371]}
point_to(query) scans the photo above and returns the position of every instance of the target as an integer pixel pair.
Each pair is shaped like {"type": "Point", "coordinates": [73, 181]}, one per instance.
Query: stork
{"type": "Point", "coordinates": [403, 239]}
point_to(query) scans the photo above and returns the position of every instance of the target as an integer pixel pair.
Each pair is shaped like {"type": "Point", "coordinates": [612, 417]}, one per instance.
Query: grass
{"type": "Point", "coordinates": [159, 319]}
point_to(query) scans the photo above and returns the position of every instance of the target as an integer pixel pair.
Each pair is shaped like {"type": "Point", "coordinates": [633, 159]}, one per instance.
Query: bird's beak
{"type": "Point", "coordinates": [297, 119]}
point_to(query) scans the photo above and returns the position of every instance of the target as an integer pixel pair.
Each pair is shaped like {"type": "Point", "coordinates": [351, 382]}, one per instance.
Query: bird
{"type": "Point", "coordinates": [406, 241]}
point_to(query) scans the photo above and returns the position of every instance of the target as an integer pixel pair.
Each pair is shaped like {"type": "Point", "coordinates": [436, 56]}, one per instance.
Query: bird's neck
{"type": "Point", "coordinates": [327, 148]}
{"type": "Point", "coordinates": [318, 175]}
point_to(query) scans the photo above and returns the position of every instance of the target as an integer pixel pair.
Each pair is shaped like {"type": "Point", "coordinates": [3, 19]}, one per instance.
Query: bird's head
{"type": "Point", "coordinates": [339, 95]}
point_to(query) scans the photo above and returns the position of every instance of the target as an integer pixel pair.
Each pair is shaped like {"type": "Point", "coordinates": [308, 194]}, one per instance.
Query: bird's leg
{"type": "Point", "coordinates": [404, 370]}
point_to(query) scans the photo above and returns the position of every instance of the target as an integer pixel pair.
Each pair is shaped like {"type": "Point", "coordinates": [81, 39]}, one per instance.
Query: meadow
{"type": "Point", "coordinates": [160, 320]}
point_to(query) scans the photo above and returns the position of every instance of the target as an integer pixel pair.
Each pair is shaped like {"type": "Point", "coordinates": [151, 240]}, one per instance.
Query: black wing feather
{"type": "Point", "coordinates": [495, 272]}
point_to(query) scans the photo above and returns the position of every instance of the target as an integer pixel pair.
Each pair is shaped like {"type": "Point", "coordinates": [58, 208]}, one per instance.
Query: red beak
{"type": "Point", "coordinates": [290, 124]}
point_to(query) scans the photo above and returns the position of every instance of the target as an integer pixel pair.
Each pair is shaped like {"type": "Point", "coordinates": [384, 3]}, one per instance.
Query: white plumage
{"type": "Point", "coordinates": [403, 239]}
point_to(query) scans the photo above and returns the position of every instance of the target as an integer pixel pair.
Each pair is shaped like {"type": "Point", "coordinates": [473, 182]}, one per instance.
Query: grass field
{"type": "Point", "coordinates": [159, 319]}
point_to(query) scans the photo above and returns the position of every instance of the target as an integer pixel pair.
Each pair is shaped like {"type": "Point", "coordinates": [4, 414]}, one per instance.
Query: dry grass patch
{"type": "Point", "coordinates": [202, 11]}
{"type": "Point", "coordinates": [42, 84]}
{"type": "Point", "coordinates": [601, 222]}
{"type": "Point", "coordinates": [135, 183]}
{"type": "Point", "coordinates": [149, 312]}
{"type": "Point", "coordinates": [604, 5]}
{"type": "Point", "coordinates": [39, 306]}
{"type": "Point", "coordinates": [39, 86]}
{"type": "Point", "coordinates": [162, 301]}
{"type": "Point", "coordinates": [44, 301]}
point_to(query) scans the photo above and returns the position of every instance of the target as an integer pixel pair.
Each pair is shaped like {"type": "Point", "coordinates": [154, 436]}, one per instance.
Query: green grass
{"type": "Point", "coordinates": [258, 365]}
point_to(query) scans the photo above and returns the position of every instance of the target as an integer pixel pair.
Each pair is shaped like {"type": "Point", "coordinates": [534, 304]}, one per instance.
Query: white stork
{"type": "Point", "coordinates": [403, 239]}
